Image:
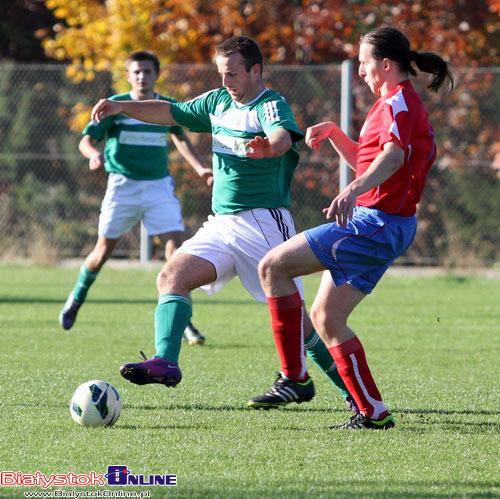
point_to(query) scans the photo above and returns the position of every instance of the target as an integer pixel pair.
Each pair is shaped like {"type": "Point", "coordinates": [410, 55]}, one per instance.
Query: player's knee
{"type": "Point", "coordinates": [318, 317]}
{"type": "Point", "coordinates": [326, 320]}
{"type": "Point", "coordinates": [171, 279]}
{"type": "Point", "coordinates": [267, 268]}
{"type": "Point", "coordinates": [165, 279]}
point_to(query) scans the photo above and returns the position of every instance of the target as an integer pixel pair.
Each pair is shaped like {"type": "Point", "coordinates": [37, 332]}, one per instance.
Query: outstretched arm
{"type": "Point", "coordinates": [265, 147]}
{"type": "Point", "coordinates": [345, 147]}
{"type": "Point", "coordinates": [185, 147]}
{"type": "Point", "coordinates": [150, 111]}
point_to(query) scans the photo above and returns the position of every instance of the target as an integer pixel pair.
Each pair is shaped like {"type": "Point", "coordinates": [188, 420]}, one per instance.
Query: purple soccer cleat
{"type": "Point", "coordinates": [67, 316]}
{"type": "Point", "coordinates": [154, 370]}
{"type": "Point", "coordinates": [351, 405]}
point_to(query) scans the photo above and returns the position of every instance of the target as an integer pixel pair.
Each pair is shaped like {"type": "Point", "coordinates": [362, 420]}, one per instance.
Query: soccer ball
{"type": "Point", "coordinates": [95, 403]}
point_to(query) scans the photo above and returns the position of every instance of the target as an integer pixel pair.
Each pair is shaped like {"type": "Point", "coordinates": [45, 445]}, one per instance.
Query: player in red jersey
{"type": "Point", "coordinates": [374, 215]}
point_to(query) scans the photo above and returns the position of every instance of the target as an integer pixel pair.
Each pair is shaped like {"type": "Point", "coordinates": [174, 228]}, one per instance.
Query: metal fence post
{"type": "Point", "coordinates": [345, 117]}
{"type": "Point", "coordinates": [146, 246]}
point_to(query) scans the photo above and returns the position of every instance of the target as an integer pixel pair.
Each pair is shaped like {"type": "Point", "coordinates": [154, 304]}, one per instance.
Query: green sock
{"type": "Point", "coordinates": [171, 318]}
{"type": "Point", "coordinates": [317, 352]}
{"type": "Point", "coordinates": [83, 283]}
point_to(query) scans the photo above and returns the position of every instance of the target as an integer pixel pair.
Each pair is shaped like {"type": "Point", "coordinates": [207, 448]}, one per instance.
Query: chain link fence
{"type": "Point", "coordinates": [50, 201]}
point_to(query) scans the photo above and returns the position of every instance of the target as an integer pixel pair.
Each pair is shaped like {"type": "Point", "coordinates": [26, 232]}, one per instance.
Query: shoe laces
{"type": "Point", "coordinates": [143, 355]}
{"type": "Point", "coordinates": [358, 418]}
{"type": "Point", "coordinates": [277, 384]}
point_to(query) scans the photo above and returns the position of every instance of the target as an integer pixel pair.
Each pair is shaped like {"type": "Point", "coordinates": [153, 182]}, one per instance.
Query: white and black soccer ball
{"type": "Point", "coordinates": [95, 403]}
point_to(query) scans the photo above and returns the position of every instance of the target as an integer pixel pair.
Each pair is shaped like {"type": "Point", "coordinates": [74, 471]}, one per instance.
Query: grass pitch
{"type": "Point", "coordinates": [432, 343]}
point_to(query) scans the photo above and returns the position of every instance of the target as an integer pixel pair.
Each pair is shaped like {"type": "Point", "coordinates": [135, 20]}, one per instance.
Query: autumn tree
{"type": "Point", "coordinates": [96, 35]}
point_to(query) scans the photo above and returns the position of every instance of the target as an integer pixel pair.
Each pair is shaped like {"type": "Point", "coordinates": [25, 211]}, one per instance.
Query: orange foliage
{"type": "Point", "coordinates": [97, 36]}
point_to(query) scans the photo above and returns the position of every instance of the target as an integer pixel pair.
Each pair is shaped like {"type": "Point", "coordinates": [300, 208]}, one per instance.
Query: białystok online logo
{"type": "Point", "coordinates": [116, 475]}
{"type": "Point", "coordinates": [120, 475]}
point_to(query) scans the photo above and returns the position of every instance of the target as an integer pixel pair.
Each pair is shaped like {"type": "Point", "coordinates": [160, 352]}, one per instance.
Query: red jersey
{"type": "Point", "coordinates": [399, 115]}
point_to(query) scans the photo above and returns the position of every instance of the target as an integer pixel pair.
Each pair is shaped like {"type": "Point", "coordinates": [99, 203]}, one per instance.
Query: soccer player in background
{"type": "Point", "coordinates": [374, 215]}
{"type": "Point", "coordinates": [249, 201]}
{"type": "Point", "coordinates": [139, 186]}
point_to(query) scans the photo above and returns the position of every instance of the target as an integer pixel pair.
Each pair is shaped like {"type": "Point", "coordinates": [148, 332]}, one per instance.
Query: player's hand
{"type": "Point", "coordinates": [260, 147]}
{"type": "Point", "coordinates": [315, 134]}
{"type": "Point", "coordinates": [96, 162]}
{"type": "Point", "coordinates": [342, 207]}
{"type": "Point", "coordinates": [105, 108]}
{"type": "Point", "coordinates": [208, 175]}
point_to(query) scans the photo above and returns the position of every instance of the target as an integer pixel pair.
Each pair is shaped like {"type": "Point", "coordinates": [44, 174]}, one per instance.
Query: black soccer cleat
{"type": "Point", "coordinates": [360, 422]}
{"type": "Point", "coordinates": [283, 392]}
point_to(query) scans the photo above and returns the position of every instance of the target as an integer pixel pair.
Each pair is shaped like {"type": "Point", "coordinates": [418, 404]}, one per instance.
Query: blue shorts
{"type": "Point", "coordinates": [361, 252]}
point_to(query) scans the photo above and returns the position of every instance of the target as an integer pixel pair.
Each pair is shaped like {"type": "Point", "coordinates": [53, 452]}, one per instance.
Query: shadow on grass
{"type": "Point", "coordinates": [447, 424]}
{"type": "Point", "coordinates": [197, 426]}
{"type": "Point", "coordinates": [454, 428]}
{"type": "Point", "coordinates": [35, 405]}
{"type": "Point", "coordinates": [301, 408]}
{"type": "Point", "coordinates": [37, 299]}
{"type": "Point", "coordinates": [338, 488]}
{"type": "Point", "coordinates": [33, 300]}
{"type": "Point", "coordinates": [401, 414]}
{"type": "Point", "coordinates": [183, 407]}
{"type": "Point", "coordinates": [480, 412]}
{"type": "Point", "coordinates": [225, 408]}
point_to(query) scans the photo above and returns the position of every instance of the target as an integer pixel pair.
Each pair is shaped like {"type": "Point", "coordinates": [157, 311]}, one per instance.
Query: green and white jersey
{"type": "Point", "coordinates": [133, 148]}
{"type": "Point", "coordinates": [242, 183]}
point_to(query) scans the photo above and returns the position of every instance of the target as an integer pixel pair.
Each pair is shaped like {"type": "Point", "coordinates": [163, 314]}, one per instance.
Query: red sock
{"type": "Point", "coordinates": [353, 368]}
{"type": "Point", "coordinates": [286, 323]}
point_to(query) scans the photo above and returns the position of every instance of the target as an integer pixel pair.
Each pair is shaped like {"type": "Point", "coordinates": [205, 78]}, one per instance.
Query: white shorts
{"type": "Point", "coordinates": [236, 243]}
{"type": "Point", "coordinates": [127, 201]}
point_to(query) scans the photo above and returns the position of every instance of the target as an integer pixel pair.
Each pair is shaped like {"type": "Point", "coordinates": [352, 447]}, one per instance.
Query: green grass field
{"type": "Point", "coordinates": [433, 345]}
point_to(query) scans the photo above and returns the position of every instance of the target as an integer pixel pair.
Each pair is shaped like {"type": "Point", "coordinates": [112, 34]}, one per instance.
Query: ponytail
{"type": "Point", "coordinates": [437, 66]}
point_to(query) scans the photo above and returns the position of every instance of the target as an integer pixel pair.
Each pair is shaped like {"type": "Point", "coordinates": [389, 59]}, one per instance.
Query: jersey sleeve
{"type": "Point", "coordinates": [194, 114]}
{"type": "Point", "coordinates": [397, 122]}
{"type": "Point", "coordinates": [276, 113]}
{"type": "Point", "coordinates": [98, 130]}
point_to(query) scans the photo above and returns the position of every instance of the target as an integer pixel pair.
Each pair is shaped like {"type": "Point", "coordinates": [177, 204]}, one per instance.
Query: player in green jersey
{"type": "Point", "coordinates": [250, 204]}
{"type": "Point", "coordinates": [139, 183]}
